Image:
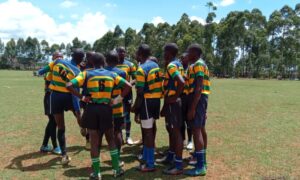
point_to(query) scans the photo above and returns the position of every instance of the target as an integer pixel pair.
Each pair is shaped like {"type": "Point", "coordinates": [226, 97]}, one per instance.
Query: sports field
{"type": "Point", "coordinates": [253, 128]}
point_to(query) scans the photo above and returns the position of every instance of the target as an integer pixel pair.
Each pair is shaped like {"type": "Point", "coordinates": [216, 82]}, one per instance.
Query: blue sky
{"type": "Point", "coordinates": [60, 20]}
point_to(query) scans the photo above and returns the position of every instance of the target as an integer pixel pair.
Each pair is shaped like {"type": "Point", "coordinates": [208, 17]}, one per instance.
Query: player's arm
{"type": "Point", "coordinates": [199, 75]}
{"type": "Point", "coordinates": [140, 83]}
{"type": "Point", "coordinates": [174, 73]}
{"type": "Point", "coordinates": [77, 82]}
{"type": "Point", "coordinates": [126, 88]}
{"type": "Point", "coordinates": [46, 69]}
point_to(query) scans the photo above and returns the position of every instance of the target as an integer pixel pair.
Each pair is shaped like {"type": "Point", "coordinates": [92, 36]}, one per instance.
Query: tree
{"type": "Point", "coordinates": [76, 43]}
{"type": "Point", "coordinates": [10, 53]}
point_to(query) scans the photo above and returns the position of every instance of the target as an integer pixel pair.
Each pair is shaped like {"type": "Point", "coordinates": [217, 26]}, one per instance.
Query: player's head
{"type": "Point", "coordinates": [77, 55]}
{"type": "Point", "coordinates": [112, 58]}
{"type": "Point", "coordinates": [143, 52]}
{"type": "Point", "coordinates": [121, 53]}
{"type": "Point", "coordinates": [57, 55]}
{"type": "Point", "coordinates": [98, 60]}
{"type": "Point", "coordinates": [184, 59]}
{"type": "Point", "coordinates": [170, 52]}
{"type": "Point", "coordinates": [88, 57]}
{"type": "Point", "coordinates": [194, 52]}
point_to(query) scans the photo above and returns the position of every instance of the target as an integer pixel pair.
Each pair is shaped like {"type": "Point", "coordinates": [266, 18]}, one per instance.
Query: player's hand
{"type": "Point", "coordinates": [191, 114]}
{"type": "Point", "coordinates": [86, 99]}
{"type": "Point", "coordinates": [137, 119]}
{"type": "Point", "coordinates": [117, 100]}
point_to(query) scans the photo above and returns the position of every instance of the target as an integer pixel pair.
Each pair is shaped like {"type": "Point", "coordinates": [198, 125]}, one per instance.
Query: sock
{"type": "Point", "coordinates": [96, 165]}
{"type": "Point", "coordinates": [47, 133]}
{"type": "Point", "coordinates": [144, 153]}
{"type": "Point", "coordinates": [53, 131]}
{"type": "Point", "coordinates": [178, 162]}
{"type": "Point", "coordinates": [150, 158]}
{"type": "Point", "coordinates": [87, 137]}
{"type": "Point", "coordinates": [170, 156]}
{"type": "Point", "coordinates": [62, 140]}
{"type": "Point", "coordinates": [200, 159]}
{"type": "Point", "coordinates": [128, 127]}
{"type": "Point", "coordinates": [205, 163]}
{"type": "Point", "coordinates": [114, 159]}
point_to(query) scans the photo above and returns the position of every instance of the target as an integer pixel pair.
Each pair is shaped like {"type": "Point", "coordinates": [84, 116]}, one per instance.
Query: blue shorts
{"type": "Point", "coordinates": [200, 116]}
{"type": "Point", "coordinates": [60, 102]}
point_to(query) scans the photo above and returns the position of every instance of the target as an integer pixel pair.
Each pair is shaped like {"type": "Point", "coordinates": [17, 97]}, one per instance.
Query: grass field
{"type": "Point", "coordinates": [253, 128]}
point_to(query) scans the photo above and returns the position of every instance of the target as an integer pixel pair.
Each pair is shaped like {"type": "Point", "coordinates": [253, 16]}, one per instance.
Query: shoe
{"type": "Point", "coordinates": [129, 141]}
{"type": "Point", "coordinates": [164, 160]}
{"type": "Point", "coordinates": [121, 163]}
{"type": "Point", "coordinates": [118, 173]}
{"type": "Point", "coordinates": [65, 160]}
{"type": "Point", "coordinates": [144, 168]}
{"type": "Point", "coordinates": [192, 161]}
{"type": "Point", "coordinates": [94, 176]}
{"type": "Point", "coordinates": [190, 146]}
{"type": "Point", "coordinates": [56, 151]}
{"type": "Point", "coordinates": [45, 149]}
{"type": "Point", "coordinates": [196, 172]}
{"type": "Point", "coordinates": [88, 145]}
{"type": "Point", "coordinates": [173, 171]}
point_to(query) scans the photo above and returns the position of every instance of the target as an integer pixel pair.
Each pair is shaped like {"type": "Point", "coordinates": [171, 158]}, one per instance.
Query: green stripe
{"type": "Point", "coordinates": [121, 83]}
{"type": "Point", "coordinates": [155, 81]}
{"type": "Point", "coordinates": [118, 115]}
{"type": "Point", "coordinates": [139, 73]}
{"type": "Point", "coordinates": [101, 100]}
{"type": "Point", "coordinates": [140, 84]}
{"type": "Point", "coordinates": [117, 105]}
{"type": "Point", "coordinates": [102, 78]}
{"type": "Point", "coordinates": [60, 84]}
{"type": "Point", "coordinates": [207, 88]}
{"type": "Point", "coordinates": [96, 89]}
{"type": "Point", "coordinates": [156, 90]}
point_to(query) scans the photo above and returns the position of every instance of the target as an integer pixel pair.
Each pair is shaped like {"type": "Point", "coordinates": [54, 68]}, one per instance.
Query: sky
{"type": "Point", "coordinates": [61, 20]}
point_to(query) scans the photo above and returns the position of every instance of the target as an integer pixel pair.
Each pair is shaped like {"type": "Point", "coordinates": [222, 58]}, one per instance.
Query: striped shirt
{"type": "Point", "coordinates": [150, 78]}
{"type": "Point", "coordinates": [118, 110]}
{"type": "Point", "coordinates": [129, 68]}
{"type": "Point", "coordinates": [186, 81]}
{"type": "Point", "coordinates": [174, 69]}
{"type": "Point", "coordinates": [99, 83]}
{"type": "Point", "coordinates": [199, 69]}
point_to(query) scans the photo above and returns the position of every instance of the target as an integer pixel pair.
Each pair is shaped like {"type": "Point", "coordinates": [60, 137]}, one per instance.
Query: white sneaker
{"type": "Point", "coordinates": [190, 146]}
{"type": "Point", "coordinates": [129, 141]}
{"type": "Point", "coordinates": [65, 160]}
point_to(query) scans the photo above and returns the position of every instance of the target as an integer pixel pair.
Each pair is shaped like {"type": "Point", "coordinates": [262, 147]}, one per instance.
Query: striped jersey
{"type": "Point", "coordinates": [199, 68]}
{"type": "Point", "coordinates": [129, 68]}
{"type": "Point", "coordinates": [150, 78]}
{"type": "Point", "coordinates": [186, 81]}
{"type": "Point", "coordinates": [99, 83]}
{"type": "Point", "coordinates": [118, 110]}
{"type": "Point", "coordinates": [174, 69]}
{"type": "Point", "coordinates": [47, 78]}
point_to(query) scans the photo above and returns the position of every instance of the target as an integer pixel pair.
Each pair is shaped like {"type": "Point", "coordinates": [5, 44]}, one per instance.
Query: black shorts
{"type": "Point", "coordinates": [47, 103]}
{"type": "Point", "coordinates": [200, 117]}
{"type": "Point", "coordinates": [174, 115]}
{"type": "Point", "coordinates": [128, 99]}
{"type": "Point", "coordinates": [97, 117]}
{"type": "Point", "coordinates": [118, 123]}
{"type": "Point", "coordinates": [184, 107]}
{"type": "Point", "coordinates": [150, 109]}
{"type": "Point", "coordinates": [60, 102]}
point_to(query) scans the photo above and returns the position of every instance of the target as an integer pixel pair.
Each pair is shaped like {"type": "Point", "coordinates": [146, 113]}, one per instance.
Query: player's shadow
{"type": "Point", "coordinates": [18, 162]}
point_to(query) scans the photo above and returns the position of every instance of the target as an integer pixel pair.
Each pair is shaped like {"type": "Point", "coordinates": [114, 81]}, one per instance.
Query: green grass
{"type": "Point", "coordinates": [253, 128]}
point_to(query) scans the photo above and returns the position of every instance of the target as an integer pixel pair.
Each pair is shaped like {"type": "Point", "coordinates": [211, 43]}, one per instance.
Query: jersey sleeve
{"type": "Point", "coordinates": [47, 68]}
{"type": "Point", "coordinates": [140, 78]}
{"type": "Point", "coordinates": [173, 70]}
{"type": "Point", "coordinates": [119, 81]}
{"type": "Point", "coordinates": [78, 81]}
{"type": "Point", "coordinates": [198, 70]}
{"type": "Point", "coordinates": [133, 71]}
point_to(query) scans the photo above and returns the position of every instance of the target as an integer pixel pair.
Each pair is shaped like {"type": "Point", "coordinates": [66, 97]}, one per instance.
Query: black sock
{"type": "Point", "coordinates": [128, 128]}
{"type": "Point", "coordinates": [53, 130]}
{"type": "Point", "coordinates": [62, 140]}
{"type": "Point", "coordinates": [189, 132]}
{"type": "Point", "coordinates": [87, 137]}
{"type": "Point", "coordinates": [47, 133]}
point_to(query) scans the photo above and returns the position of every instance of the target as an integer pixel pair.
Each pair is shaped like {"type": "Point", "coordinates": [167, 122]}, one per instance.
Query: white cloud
{"type": "Point", "coordinates": [195, 7]}
{"type": "Point", "coordinates": [32, 21]}
{"type": "Point", "coordinates": [109, 5]}
{"type": "Point", "coordinates": [156, 20]}
{"type": "Point", "coordinates": [199, 19]}
{"type": "Point", "coordinates": [74, 16]}
{"type": "Point", "coordinates": [227, 2]}
{"type": "Point", "coordinates": [61, 16]}
{"type": "Point", "coordinates": [68, 4]}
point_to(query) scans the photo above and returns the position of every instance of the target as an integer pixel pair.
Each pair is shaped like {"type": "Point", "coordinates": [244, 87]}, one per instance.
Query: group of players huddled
{"type": "Point", "coordinates": [102, 86]}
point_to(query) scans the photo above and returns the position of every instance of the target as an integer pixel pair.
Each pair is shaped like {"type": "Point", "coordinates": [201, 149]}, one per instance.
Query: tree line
{"type": "Point", "coordinates": [243, 44]}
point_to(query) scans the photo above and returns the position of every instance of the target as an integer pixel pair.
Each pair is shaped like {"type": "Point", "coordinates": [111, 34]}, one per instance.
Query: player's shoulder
{"type": "Point", "coordinates": [129, 63]}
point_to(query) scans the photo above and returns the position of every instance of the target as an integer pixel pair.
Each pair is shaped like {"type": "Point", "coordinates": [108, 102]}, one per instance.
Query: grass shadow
{"type": "Point", "coordinates": [17, 162]}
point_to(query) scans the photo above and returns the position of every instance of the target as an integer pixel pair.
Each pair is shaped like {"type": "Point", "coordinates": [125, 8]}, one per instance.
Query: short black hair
{"type": "Point", "coordinates": [197, 48]}
{"type": "Point", "coordinates": [112, 58]}
{"type": "Point", "coordinates": [78, 54]}
{"type": "Point", "coordinates": [98, 59]}
{"type": "Point", "coordinates": [172, 48]}
{"type": "Point", "coordinates": [120, 48]}
{"type": "Point", "coordinates": [144, 50]}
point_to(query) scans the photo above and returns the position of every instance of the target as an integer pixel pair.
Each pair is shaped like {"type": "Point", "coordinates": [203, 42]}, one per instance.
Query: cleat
{"type": "Point", "coordinates": [129, 141]}
{"type": "Point", "coordinates": [65, 160]}
{"type": "Point", "coordinates": [118, 173]}
{"type": "Point", "coordinates": [45, 149]}
{"type": "Point", "coordinates": [88, 145]}
{"type": "Point", "coordinates": [192, 161]}
{"type": "Point", "coordinates": [57, 151]}
{"type": "Point", "coordinates": [144, 168]}
{"type": "Point", "coordinates": [196, 172]}
{"type": "Point", "coordinates": [190, 146]}
{"type": "Point", "coordinates": [121, 164]}
{"type": "Point", "coordinates": [164, 160]}
{"type": "Point", "coordinates": [94, 176]}
{"type": "Point", "coordinates": [173, 171]}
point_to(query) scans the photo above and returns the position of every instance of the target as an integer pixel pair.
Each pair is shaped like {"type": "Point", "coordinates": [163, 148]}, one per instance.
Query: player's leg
{"type": "Point", "coordinates": [45, 147]}
{"type": "Point", "coordinates": [95, 155]}
{"type": "Point", "coordinates": [53, 135]}
{"type": "Point", "coordinates": [118, 123]}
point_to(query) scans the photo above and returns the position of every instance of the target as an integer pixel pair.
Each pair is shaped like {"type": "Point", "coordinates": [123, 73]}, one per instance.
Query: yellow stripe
{"type": "Point", "coordinates": [58, 88]}
{"type": "Point", "coordinates": [101, 95]}
{"type": "Point", "coordinates": [93, 84]}
{"type": "Point", "coordinates": [152, 95]}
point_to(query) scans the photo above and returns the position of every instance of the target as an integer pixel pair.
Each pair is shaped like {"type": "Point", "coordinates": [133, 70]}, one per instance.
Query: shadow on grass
{"type": "Point", "coordinates": [17, 162]}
